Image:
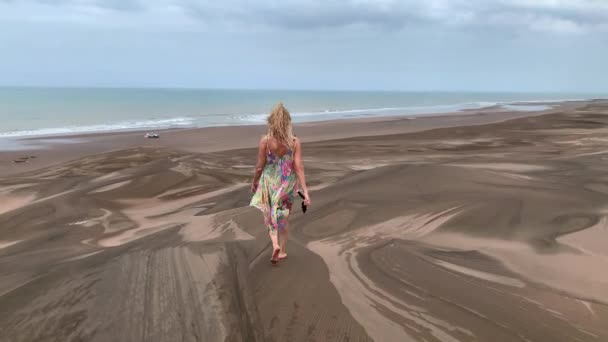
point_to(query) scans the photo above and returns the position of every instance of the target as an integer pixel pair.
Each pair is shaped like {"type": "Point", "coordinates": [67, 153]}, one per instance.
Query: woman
{"type": "Point", "coordinates": [279, 174]}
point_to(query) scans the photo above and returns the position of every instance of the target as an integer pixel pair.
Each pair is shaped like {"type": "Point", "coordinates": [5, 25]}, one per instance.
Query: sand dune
{"type": "Point", "coordinates": [485, 232]}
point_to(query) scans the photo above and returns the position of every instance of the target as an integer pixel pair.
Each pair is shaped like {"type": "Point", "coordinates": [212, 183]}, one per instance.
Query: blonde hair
{"type": "Point", "coordinates": [279, 125]}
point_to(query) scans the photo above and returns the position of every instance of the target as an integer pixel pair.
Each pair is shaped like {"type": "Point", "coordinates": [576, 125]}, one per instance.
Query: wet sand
{"type": "Point", "coordinates": [447, 228]}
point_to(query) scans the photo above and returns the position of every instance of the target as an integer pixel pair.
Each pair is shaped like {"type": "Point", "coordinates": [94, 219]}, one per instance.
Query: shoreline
{"type": "Point", "coordinates": [54, 149]}
{"type": "Point", "coordinates": [299, 117]}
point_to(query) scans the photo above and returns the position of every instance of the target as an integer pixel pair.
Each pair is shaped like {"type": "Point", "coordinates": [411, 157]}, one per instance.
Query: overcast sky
{"type": "Point", "coordinates": [489, 45]}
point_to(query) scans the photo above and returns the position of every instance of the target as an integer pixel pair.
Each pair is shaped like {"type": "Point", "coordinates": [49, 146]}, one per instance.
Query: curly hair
{"type": "Point", "coordinates": [279, 125]}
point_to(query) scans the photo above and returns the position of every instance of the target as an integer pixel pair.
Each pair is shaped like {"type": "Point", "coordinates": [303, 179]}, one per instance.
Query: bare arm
{"type": "Point", "coordinates": [299, 166]}
{"type": "Point", "coordinates": [259, 167]}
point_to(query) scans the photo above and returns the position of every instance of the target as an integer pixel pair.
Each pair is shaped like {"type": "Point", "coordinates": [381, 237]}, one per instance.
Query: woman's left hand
{"type": "Point", "coordinates": [254, 187]}
{"type": "Point", "coordinates": [306, 199]}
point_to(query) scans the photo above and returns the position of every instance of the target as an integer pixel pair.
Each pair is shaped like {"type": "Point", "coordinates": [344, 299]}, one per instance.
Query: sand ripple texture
{"type": "Point", "coordinates": [493, 232]}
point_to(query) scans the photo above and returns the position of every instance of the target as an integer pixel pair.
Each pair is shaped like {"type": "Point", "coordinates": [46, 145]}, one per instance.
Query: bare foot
{"type": "Point", "coordinates": [282, 255]}
{"type": "Point", "coordinates": [275, 256]}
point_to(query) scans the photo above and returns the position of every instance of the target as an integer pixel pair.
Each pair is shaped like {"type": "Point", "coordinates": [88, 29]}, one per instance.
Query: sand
{"type": "Point", "coordinates": [480, 226]}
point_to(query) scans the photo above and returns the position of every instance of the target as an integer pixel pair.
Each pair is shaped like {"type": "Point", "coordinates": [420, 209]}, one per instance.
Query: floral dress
{"type": "Point", "coordinates": [275, 193]}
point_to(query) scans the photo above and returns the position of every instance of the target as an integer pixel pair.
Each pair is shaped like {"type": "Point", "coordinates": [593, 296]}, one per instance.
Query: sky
{"type": "Point", "coordinates": [421, 45]}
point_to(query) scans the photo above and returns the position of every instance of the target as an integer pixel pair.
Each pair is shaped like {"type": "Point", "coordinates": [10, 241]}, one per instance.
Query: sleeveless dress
{"type": "Point", "coordinates": [276, 189]}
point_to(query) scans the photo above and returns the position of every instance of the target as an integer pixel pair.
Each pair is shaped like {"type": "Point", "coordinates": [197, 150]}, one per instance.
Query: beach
{"type": "Point", "coordinates": [481, 225]}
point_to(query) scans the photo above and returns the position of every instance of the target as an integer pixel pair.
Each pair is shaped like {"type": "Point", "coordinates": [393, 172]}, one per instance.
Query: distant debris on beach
{"type": "Point", "coordinates": [152, 135]}
{"type": "Point", "coordinates": [24, 159]}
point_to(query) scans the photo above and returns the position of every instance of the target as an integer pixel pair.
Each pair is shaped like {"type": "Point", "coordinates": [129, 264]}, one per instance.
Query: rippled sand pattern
{"type": "Point", "coordinates": [492, 232]}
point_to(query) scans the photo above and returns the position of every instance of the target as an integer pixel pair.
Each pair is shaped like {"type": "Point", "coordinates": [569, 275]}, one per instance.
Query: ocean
{"type": "Point", "coordinates": [48, 111]}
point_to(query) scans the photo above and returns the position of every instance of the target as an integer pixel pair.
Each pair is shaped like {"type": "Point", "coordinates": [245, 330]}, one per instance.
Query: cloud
{"type": "Point", "coordinates": [556, 16]}
{"type": "Point", "coordinates": [118, 5]}
{"type": "Point", "coordinates": [488, 45]}
{"type": "Point", "coordinates": [514, 15]}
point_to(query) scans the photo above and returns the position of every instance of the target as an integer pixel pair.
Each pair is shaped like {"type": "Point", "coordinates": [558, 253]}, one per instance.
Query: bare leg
{"type": "Point", "coordinates": [283, 241]}
{"type": "Point", "coordinates": [274, 237]}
